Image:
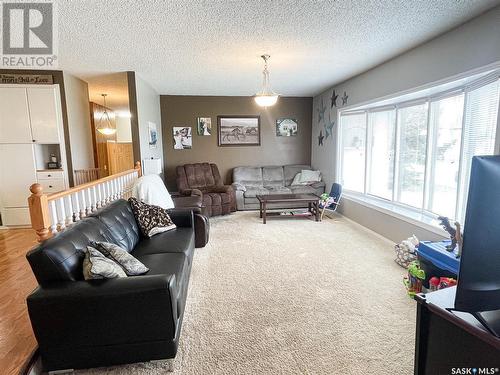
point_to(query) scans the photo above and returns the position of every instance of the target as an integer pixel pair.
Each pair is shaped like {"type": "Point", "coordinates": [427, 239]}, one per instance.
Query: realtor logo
{"type": "Point", "coordinates": [28, 34]}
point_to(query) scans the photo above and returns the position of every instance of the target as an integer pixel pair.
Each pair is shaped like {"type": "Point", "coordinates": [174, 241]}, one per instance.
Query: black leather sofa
{"type": "Point", "coordinates": [83, 324]}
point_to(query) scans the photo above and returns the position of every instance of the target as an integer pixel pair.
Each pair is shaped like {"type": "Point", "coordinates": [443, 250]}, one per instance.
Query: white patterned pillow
{"type": "Point", "coordinates": [97, 266]}
{"type": "Point", "coordinates": [127, 261]}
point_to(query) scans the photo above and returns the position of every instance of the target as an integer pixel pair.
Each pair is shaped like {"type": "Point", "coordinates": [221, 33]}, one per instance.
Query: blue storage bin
{"type": "Point", "coordinates": [435, 260]}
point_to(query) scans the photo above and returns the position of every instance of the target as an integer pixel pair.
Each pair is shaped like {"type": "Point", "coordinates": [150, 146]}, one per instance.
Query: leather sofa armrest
{"type": "Point", "coordinates": [182, 201]}
{"type": "Point", "coordinates": [182, 217]}
{"type": "Point", "coordinates": [190, 192]}
{"type": "Point", "coordinates": [84, 313]}
{"type": "Point", "coordinates": [238, 187]}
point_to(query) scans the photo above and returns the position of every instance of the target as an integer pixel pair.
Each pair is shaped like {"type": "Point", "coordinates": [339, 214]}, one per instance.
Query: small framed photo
{"type": "Point", "coordinates": [183, 139]}
{"type": "Point", "coordinates": [204, 126]}
{"type": "Point", "coordinates": [238, 130]}
{"type": "Point", "coordinates": [152, 134]}
{"type": "Point", "coordinates": [286, 127]}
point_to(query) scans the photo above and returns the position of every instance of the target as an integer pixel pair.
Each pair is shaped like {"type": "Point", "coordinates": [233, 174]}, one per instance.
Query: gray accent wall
{"type": "Point", "coordinates": [471, 46]}
{"type": "Point", "coordinates": [184, 111]}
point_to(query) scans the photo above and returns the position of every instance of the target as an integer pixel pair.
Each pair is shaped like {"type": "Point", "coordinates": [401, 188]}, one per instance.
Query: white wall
{"type": "Point", "coordinates": [472, 45]}
{"type": "Point", "coordinates": [148, 110]}
{"type": "Point", "coordinates": [123, 130]}
{"type": "Point", "coordinates": [77, 103]}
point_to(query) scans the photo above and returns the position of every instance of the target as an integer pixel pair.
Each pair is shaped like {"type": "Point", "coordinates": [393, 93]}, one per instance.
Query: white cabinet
{"type": "Point", "coordinates": [14, 116]}
{"type": "Point", "coordinates": [30, 131]}
{"type": "Point", "coordinates": [43, 114]}
{"type": "Point", "coordinates": [17, 173]}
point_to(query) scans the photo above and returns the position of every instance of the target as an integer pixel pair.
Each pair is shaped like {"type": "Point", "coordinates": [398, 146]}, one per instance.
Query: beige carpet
{"type": "Point", "coordinates": [292, 297]}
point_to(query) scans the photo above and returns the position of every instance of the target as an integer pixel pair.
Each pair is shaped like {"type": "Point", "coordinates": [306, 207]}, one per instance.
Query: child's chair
{"type": "Point", "coordinates": [333, 200]}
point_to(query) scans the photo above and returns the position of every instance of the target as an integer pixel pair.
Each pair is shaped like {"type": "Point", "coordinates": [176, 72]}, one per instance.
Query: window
{"type": "Point", "coordinates": [446, 125]}
{"type": "Point", "coordinates": [353, 151]}
{"type": "Point", "coordinates": [382, 137]}
{"type": "Point", "coordinates": [417, 154]}
{"type": "Point", "coordinates": [412, 128]}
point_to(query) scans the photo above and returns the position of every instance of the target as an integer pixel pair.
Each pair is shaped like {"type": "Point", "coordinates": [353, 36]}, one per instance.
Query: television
{"type": "Point", "coordinates": [478, 289]}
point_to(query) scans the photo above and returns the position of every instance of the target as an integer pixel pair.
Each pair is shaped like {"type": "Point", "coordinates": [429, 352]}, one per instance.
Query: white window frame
{"type": "Point", "coordinates": [420, 216]}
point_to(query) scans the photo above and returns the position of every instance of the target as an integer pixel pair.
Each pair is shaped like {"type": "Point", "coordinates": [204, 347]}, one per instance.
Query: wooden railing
{"type": "Point", "coordinates": [55, 212]}
{"type": "Point", "coordinates": [84, 176]}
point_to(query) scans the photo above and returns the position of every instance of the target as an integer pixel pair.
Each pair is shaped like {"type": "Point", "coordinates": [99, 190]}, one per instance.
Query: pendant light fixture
{"type": "Point", "coordinates": [267, 97]}
{"type": "Point", "coordinates": [104, 125]}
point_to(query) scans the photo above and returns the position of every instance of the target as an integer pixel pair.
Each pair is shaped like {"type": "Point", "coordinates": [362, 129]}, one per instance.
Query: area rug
{"type": "Point", "coordinates": [293, 296]}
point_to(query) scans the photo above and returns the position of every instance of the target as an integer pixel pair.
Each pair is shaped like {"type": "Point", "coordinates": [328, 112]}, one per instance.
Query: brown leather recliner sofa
{"type": "Point", "coordinates": [204, 180]}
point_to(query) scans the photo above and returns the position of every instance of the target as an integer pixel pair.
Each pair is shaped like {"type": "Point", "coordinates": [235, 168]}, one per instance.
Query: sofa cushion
{"type": "Point", "coordinates": [302, 189]}
{"type": "Point", "coordinates": [290, 171]}
{"type": "Point", "coordinates": [273, 176]}
{"type": "Point", "coordinates": [248, 176]}
{"type": "Point", "coordinates": [97, 266]}
{"type": "Point", "coordinates": [60, 258]}
{"type": "Point", "coordinates": [253, 191]}
{"type": "Point", "coordinates": [120, 221]}
{"type": "Point", "coordinates": [179, 240]}
{"type": "Point", "coordinates": [278, 190]}
{"type": "Point", "coordinates": [199, 175]}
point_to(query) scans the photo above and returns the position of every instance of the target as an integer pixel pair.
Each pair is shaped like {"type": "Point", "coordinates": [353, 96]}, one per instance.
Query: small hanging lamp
{"type": "Point", "coordinates": [266, 97]}
{"type": "Point", "coordinates": [104, 125]}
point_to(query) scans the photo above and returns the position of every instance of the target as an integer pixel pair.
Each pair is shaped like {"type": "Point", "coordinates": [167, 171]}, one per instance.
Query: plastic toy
{"type": "Point", "coordinates": [446, 282]}
{"type": "Point", "coordinates": [434, 284]}
{"type": "Point", "coordinates": [413, 281]}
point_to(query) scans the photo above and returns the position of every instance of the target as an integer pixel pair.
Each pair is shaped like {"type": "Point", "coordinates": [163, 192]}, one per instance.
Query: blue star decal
{"type": "Point", "coordinates": [321, 111]}
{"type": "Point", "coordinates": [329, 126]}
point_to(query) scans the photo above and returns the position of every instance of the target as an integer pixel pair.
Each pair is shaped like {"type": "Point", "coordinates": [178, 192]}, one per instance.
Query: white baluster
{"type": "Point", "coordinates": [83, 204]}
{"type": "Point", "coordinates": [100, 202]}
{"type": "Point", "coordinates": [69, 210]}
{"type": "Point", "coordinates": [94, 198]}
{"type": "Point", "coordinates": [116, 188]}
{"type": "Point", "coordinates": [61, 214]}
{"type": "Point", "coordinates": [90, 204]}
{"type": "Point", "coordinates": [76, 206]}
{"type": "Point", "coordinates": [53, 217]}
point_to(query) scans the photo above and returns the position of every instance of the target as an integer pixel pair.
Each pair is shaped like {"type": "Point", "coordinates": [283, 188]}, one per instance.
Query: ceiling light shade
{"type": "Point", "coordinates": [104, 125]}
{"type": "Point", "coordinates": [266, 97]}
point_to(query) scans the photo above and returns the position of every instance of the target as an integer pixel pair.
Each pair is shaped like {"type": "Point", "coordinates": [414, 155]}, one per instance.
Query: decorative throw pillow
{"type": "Point", "coordinates": [297, 178]}
{"type": "Point", "coordinates": [309, 176]}
{"type": "Point", "coordinates": [151, 219]}
{"type": "Point", "coordinates": [97, 266]}
{"type": "Point", "coordinates": [128, 262]}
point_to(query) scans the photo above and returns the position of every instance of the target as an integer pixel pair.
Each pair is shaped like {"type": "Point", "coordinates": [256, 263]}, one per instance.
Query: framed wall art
{"type": "Point", "coordinates": [238, 130]}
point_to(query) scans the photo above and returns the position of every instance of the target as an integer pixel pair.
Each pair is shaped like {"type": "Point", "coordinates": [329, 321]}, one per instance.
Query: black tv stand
{"type": "Point", "coordinates": [446, 340]}
{"type": "Point", "coordinates": [490, 320]}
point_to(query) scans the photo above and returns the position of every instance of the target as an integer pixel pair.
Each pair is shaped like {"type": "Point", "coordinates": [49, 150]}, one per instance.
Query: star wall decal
{"type": "Point", "coordinates": [344, 98]}
{"type": "Point", "coordinates": [320, 138]}
{"type": "Point", "coordinates": [329, 126]}
{"type": "Point", "coordinates": [333, 99]}
{"type": "Point", "coordinates": [321, 111]}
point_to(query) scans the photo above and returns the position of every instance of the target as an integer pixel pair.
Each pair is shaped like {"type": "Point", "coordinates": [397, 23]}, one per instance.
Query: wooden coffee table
{"type": "Point", "coordinates": [309, 201]}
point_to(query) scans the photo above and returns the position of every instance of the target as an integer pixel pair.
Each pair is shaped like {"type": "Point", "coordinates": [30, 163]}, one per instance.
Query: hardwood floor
{"type": "Point", "coordinates": [17, 341]}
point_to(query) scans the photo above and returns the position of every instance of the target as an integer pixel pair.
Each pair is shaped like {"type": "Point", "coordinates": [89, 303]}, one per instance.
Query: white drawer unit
{"type": "Point", "coordinates": [52, 185]}
{"type": "Point", "coordinates": [45, 175]}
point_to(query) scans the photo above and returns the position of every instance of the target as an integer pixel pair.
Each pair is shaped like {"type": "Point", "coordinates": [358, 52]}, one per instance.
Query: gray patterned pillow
{"type": "Point", "coordinates": [151, 219]}
{"type": "Point", "coordinates": [97, 266]}
{"type": "Point", "coordinates": [128, 262]}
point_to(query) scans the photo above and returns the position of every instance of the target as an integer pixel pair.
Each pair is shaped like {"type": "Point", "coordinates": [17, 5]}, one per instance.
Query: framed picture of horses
{"type": "Point", "coordinates": [238, 131]}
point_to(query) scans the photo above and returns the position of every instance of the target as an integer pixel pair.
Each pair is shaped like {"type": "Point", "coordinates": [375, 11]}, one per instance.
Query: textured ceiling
{"type": "Point", "coordinates": [113, 84]}
{"type": "Point", "coordinates": [212, 47]}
